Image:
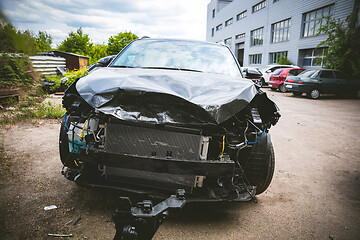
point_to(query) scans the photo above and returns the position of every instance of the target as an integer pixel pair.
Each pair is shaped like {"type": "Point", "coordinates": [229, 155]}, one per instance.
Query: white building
{"type": "Point", "coordinates": [259, 31]}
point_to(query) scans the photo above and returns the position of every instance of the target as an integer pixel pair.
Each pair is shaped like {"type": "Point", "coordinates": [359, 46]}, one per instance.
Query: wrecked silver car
{"type": "Point", "coordinates": [169, 116]}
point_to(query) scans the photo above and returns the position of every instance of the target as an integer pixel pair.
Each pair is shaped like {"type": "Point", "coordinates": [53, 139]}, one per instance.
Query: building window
{"type": "Point", "coordinates": [314, 56]}
{"type": "Point", "coordinates": [280, 31]}
{"type": "Point", "coordinates": [218, 27]}
{"type": "Point", "coordinates": [212, 32]}
{"type": "Point", "coordinates": [241, 15]}
{"type": "Point", "coordinates": [312, 22]}
{"type": "Point", "coordinates": [275, 56]}
{"type": "Point", "coordinates": [228, 22]}
{"type": "Point", "coordinates": [255, 59]}
{"type": "Point", "coordinates": [259, 6]}
{"type": "Point", "coordinates": [213, 13]}
{"type": "Point", "coordinates": [239, 36]}
{"type": "Point", "coordinates": [256, 36]}
{"type": "Point", "coordinates": [228, 42]}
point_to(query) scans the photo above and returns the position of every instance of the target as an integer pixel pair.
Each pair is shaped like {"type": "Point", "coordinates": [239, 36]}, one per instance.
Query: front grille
{"type": "Point", "coordinates": [140, 141]}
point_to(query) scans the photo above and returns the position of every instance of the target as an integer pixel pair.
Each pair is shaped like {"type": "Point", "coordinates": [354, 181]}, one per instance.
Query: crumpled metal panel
{"type": "Point", "coordinates": [117, 91]}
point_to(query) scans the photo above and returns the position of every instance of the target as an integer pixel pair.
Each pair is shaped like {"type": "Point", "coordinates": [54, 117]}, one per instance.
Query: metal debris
{"type": "Point", "coordinates": [69, 222]}
{"type": "Point", "coordinates": [59, 235]}
{"type": "Point", "coordinates": [50, 207]}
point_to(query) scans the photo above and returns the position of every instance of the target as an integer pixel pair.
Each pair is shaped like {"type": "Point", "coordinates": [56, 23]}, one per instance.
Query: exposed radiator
{"type": "Point", "coordinates": [142, 141]}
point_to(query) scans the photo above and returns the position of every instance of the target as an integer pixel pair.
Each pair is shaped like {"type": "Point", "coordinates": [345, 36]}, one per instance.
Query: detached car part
{"type": "Point", "coordinates": [168, 115]}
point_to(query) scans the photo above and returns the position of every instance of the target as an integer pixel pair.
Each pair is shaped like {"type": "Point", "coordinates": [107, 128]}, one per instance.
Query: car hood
{"type": "Point", "coordinates": [161, 96]}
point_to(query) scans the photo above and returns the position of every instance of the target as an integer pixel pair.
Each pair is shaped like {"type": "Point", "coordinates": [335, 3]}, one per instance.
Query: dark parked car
{"type": "Point", "coordinates": [316, 82]}
{"type": "Point", "coordinates": [277, 79]}
{"type": "Point", "coordinates": [168, 116]}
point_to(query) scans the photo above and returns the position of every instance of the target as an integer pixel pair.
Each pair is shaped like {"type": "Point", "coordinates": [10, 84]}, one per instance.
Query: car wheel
{"type": "Point", "coordinates": [282, 88]}
{"type": "Point", "coordinates": [274, 89]}
{"type": "Point", "coordinates": [259, 167]}
{"type": "Point", "coordinates": [313, 94]}
{"type": "Point", "coordinates": [298, 94]}
{"type": "Point", "coordinates": [259, 82]}
{"type": "Point", "coordinates": [64, 146]}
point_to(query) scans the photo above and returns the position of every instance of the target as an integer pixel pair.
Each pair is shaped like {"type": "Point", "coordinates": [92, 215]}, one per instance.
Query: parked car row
{"type": "Point", "coordinates": [312, 82]}
{"type": "Point", "coordinates": [277, 79]}
{"type": "Point", "coordinates": [269, 70]}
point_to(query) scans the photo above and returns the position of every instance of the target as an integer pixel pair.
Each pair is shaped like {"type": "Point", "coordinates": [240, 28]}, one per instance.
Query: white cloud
{"type": "Point", "coordinates": [101, 19]}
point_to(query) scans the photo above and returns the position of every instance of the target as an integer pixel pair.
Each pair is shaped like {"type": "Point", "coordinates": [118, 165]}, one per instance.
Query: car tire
{"type": "Point", "coordinates": [263, 82]}
{"type": "Point", "coordinates": [259, 167]}
{"type": "Point", "coordinates": [297, 94]}
{"type": "Point", "coordinates": [274, 89]}
{"type": "Point", "coordinates": [64, 146]}
{"type": "Point", "coordinates": [282, 88]}
{"type": "Point", "coordinates": [313, 94]}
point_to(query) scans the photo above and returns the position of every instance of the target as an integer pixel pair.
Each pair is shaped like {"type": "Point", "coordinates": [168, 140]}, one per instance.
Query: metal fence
{"type": "Point", "coordinates": [47, 65]}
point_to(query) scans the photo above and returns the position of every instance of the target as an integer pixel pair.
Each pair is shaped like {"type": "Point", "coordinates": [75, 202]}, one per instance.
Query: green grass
{"type": "Point", "coordinates": [33, 110]}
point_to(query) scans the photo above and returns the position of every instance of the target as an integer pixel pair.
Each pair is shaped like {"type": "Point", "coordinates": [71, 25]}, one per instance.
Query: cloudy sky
{"type": "Point", "coordinates": [185, 19]}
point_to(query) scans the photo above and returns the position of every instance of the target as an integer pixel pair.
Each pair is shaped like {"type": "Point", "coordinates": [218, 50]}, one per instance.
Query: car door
{"type": "Point", "coordinates": [327, 81]}
{"type": "Point", "coordinates": [344, 84]}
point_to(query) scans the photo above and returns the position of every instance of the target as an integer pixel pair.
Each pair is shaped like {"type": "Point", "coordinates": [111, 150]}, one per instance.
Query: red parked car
{"type": "Point", "coordinates": [279, 76]}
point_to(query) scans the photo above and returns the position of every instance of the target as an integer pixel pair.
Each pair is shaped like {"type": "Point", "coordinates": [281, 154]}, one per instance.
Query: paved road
{"type": "Point", "coordinates": [315, 192]}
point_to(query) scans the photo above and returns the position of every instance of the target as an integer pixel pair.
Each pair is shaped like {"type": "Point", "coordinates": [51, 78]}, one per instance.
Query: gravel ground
{"type": "Point", "coordinates": [315, 192]}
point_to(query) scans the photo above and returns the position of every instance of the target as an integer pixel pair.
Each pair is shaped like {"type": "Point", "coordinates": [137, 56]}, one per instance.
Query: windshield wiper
{"type": "Point", "coordinates": [121, 66]}
{"type": "Point", "coordinates": [170, 68]}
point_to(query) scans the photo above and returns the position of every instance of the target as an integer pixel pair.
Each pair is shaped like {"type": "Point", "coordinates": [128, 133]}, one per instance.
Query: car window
{"type": "Point", "coordinates": [309, 73]}
{"type": "Point", "coordinates": [277, 71]}
{"type": "Point", "coordinates": [326, 74]}
{"type": "Point", "coordinates": [294, 72]}
{"type": "Point", "coordinates": [178, 55]}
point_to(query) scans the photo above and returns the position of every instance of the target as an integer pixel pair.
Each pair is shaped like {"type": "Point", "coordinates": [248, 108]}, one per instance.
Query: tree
{"type": "Point", "coordinates": [97, 51]}
{"type": "Point", "coordinates": [343, 44]}
{"type": "Point", "coordinates": [118, 42]}
{"type": "Point", "coordinates": [43, 41]}
{"type": "Point", "coordinates": [16, 41]}
{"type": "Point", "coordinates": [76, 42]}
{"type": "Point", "coordinates": [282, 60]}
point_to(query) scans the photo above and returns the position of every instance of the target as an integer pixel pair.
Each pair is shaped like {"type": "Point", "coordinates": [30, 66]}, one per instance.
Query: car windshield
{"type": "Point", "coordinates": [308, 73]}
{"type": "Point", "coordinates": [178, 55]}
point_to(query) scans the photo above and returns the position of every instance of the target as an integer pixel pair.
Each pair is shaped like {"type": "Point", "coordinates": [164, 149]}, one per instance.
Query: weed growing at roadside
{"type": "Point", "coordinates": [31, 109]}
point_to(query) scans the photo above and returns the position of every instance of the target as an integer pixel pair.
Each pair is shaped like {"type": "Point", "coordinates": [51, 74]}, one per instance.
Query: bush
{"type": "Point", "coordinates": [283, 61]}
{"type": "Point", "coordinates": [56, 80]}
{"type": "Point", "coordinates": [15, 71]}
{"type": "Point", "coordinates": [73, 75]}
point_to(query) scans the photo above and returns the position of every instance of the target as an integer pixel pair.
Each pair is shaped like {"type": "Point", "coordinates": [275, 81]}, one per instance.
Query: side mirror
{"type": "Point", "coordinates": [268, 71]}
{"type": "Point", "coordinates": [105, 61]}
{"type": "Point", "coordinates": [252, 74]}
